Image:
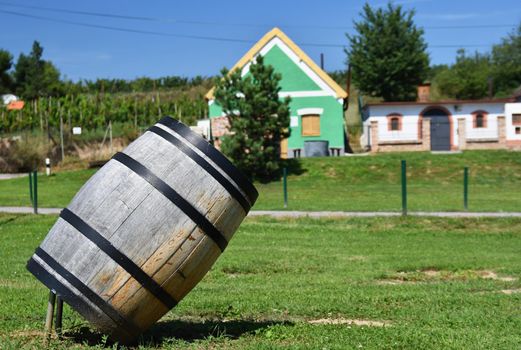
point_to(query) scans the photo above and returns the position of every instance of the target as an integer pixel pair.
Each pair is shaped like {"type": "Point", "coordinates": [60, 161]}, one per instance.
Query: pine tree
{"type": "Point", "coordinates": [388, 53]}
{"type": "Point", "coordinates": [6, 62]}
{"type": "Point", "coordinates": [36, 77]}
{"type": "Point", "coordinates": [258, 119]}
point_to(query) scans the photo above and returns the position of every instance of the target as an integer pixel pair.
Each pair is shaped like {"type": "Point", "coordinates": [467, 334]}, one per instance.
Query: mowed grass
{"type": "Point", "coordinates": [373, 183]}
{"type": "Point", "coordinates": [56, 190]}
{"type": "Point", "coordinates": [370, 183]}
{"type": "Point", "coordinates": [434, 283]}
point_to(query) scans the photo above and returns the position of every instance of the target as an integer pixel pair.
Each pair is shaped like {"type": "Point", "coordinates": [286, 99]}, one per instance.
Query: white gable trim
{"type": "Point", "coordinates": [325, 89]}
{"type": "Point", "coordinates": [303, 93]}
{"type": "Point", "coordinates": [306, 111]}
{"type": "Point", "coordinates": [295, 94]}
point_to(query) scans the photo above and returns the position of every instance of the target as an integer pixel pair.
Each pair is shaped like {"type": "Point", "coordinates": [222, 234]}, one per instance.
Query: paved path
{"type": "Point", "coordinates": [317, 214]}
{"type": "Point", "coordinates": [346, 214]}
{"type": "Point", "coordinates": [29, 210]}
{"type": "Point", "coordinates": [11, 176]}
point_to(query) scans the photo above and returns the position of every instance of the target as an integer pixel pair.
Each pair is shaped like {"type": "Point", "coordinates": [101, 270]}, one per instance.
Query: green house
{"type": "Point", "coordinates": [317, 115]}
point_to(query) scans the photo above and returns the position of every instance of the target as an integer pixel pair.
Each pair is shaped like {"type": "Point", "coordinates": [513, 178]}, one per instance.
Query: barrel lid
{"type": "Point", "coordinates": [215, 155]}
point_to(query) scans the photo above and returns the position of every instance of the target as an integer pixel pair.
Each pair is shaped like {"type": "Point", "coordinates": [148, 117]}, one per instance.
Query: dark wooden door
{"type": "Point", "coordinates": [440, 129]}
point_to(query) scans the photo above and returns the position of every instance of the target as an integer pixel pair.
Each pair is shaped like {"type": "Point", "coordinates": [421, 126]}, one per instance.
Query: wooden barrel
{"type": "Point", "coordinates": [144, 230]}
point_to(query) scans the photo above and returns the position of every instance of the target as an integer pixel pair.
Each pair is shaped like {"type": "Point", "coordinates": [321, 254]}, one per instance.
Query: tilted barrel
{"type": "Point", "coordinates": [144, 230]}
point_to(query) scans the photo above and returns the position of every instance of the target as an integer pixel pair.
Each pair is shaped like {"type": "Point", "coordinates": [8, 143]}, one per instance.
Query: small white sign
{"type": "Point", "coordinates": [293, 122]}
{"type": "Point", "coordinates": [76, 130]}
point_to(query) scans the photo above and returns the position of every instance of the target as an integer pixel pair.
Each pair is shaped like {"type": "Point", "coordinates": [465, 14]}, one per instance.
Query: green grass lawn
{"type": "Point", "coordinates": [371, 183]}
{"type": "Point", "coordinates": [56, 190]}
{"type": "Point", "coordinates": [435, 283]}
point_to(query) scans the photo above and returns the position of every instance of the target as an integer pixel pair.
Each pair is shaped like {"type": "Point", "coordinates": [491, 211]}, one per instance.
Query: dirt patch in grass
{"type": "Point", "coordinates": [28, 334]}
{"type": "Point", "coordinates": [487, 274]}
{"type": "Point", "coordinates": [511, 291]}
{"type": "Point", "coordinates": [354, 322]}
{"type": "Point", "coordinates": [393, 282]}
{"type": "Point", "coordinates": [356, 258]}
{"type": "Point", "coordinates": [15, 284]}
{"type": "Point", "coordinates": [331, 172]}
{"type": "Point", "coordinates": [435, 275]}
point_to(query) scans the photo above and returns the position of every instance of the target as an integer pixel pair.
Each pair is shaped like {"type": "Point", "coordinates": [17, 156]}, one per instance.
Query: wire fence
{"type": "Point", "coordinates": [425, 183]}
{"type": "Point", "coordinates": [483, 188]}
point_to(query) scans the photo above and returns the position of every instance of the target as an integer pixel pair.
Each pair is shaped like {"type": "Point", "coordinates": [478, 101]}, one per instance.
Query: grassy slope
{"type": "Point", "coordinates": [373, 183]}
{"type": "Point", "coordinates": [53, 191]}
{"type": "Point", "coordinates": [352, 183]}
{"type": "Point", "coordinates": [276, 275]}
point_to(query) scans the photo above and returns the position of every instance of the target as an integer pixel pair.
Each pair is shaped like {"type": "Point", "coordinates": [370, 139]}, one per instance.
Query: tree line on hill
{"type": "Point", "coordinates": [389, 58]}
{"type": "Point", "coordinates": [32, 77]}
{"type": "Point", "coordinates": [92, 104]}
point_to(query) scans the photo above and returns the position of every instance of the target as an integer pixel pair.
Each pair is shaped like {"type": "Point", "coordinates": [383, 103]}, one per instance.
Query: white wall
{"type": "Point", "coordinates": [511, 108]}
{"type": "Point", "coordinates": [411, 114]}
{"type": "Point", "coordinates": [490, 131]}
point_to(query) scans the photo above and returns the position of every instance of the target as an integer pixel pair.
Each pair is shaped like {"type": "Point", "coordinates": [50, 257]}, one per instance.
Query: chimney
{"type": "Point", "coordinates": [424, 92]}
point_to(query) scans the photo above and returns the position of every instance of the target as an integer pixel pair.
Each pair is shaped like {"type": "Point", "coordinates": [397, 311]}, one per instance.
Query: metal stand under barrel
{"type": "Point", "coordinates": [54, 300]}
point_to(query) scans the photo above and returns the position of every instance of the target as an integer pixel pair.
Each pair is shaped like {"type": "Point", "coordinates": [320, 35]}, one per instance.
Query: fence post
{"type": "Point", "coordinates": [48, 166]}
{"type": "Point", "coordinates": [59, 316]}
{"type": "Point", "coordinates": [466, 188]}
{"type": "Point", "coordinates": [61, 136]}
{"type": "Point", "coordinates": [285, 186]}
{"type": "Point", "coordinates": [35, 191]}
{"type": "Point", "coordinates": [404, 188]}
{"type": "Point", "coordinates": [31, 187]}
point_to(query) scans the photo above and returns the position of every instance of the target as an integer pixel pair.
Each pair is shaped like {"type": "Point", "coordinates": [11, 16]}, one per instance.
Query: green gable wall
{"type": "Point", "coordinates": [215, 110]}
{"type": "Point", "coordinates": [331, 121]}
{"type": "Point", "coordinates": [293, 77]}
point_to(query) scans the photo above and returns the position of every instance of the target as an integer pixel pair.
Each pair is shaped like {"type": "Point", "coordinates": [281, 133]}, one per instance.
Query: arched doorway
{"type": "Point", "coordinates": [441, 128]}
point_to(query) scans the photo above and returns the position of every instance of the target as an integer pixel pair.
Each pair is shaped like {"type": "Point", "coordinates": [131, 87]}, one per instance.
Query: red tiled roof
{"type": "Point", "coordinates": [444, 102]}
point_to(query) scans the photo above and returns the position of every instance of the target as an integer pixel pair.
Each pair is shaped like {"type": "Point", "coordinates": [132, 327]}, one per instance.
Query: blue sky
{"type": "Point", "coordinates": [88, 53]}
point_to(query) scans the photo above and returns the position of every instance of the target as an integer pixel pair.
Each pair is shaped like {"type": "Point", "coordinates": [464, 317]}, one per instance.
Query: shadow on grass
{"type": "Point", "coordinates": [189, 331]}
{"type": "Point", "coordinates": [294, 166]}
{"type": "Point", "coordinates": [8, 220]}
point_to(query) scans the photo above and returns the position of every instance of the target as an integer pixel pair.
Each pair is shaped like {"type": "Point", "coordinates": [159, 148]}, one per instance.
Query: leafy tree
{"type": "Point", "coordinates": [507, 63]}
{"type": "Point", "coordinates": [387, 54]}
{"type": "Point", "coordinates": [467, 78]}
{"type": "Point", "coordinates": [36, 77]}
{"type": "Point", "coordinates": [6, 62]}
{"type": "Point", "coordinates": [258, 119]}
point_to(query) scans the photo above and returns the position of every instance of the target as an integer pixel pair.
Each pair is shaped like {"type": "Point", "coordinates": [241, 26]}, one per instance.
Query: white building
{"type": "Point", "coordinates": [443, 125]}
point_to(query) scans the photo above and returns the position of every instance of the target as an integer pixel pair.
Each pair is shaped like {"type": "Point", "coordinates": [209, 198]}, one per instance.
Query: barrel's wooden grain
{"type": "Point", "coordinates": [125, 250]}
